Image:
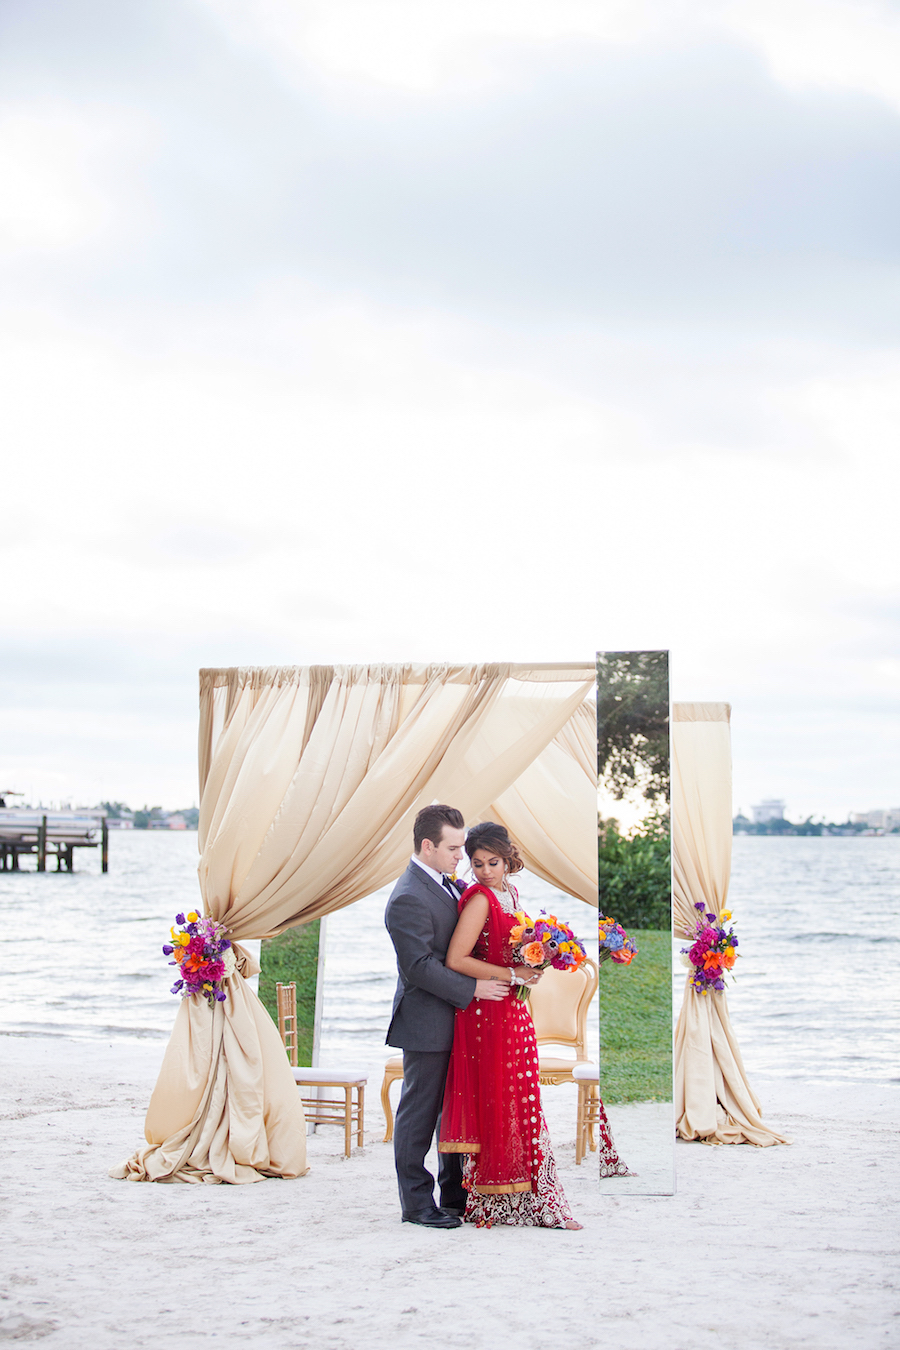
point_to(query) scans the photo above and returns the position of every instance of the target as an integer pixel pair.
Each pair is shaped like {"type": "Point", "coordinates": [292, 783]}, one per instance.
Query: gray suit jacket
{"type": "Point", "coordinates": [420, 918]}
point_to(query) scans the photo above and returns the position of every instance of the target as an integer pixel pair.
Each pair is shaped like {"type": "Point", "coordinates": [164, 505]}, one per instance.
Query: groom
{"type": "Point", "coordinates": [420, 917]}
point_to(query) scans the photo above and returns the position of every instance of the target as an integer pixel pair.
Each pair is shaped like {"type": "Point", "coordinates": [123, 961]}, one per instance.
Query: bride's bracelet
{"type": "Point", "coordinates": [513, 977]}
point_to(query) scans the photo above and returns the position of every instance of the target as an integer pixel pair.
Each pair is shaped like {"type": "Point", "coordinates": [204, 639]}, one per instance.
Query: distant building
{"type": "Point", "coordinates": [176, 821]}
{"type": "Point", "coordinates": [768, 810]}
{"type": "Point", "coordinates": [879, 819]}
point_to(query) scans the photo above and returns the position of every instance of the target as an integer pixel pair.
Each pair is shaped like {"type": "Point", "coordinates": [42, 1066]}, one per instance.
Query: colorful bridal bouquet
{"type": "Point", "coordinates": [544, 942]}
{"type": "Point", "coordinates": [615, 944]}
{"type": "Point", "coordinates": [203, 954]}
{"type": "Point", "coordinates": [713, 950]}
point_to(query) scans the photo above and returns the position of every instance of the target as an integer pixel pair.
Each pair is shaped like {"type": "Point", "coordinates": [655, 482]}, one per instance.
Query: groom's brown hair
{"type": "Point", "coordinates": [430, 822]}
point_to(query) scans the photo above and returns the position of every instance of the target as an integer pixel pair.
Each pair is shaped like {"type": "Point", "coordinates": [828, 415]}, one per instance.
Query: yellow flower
{"type": "Point", "coordinates": [182, 939]}
{"type": "Point", "coordinates": [726, 914]}
{"type": "Point", "coordinates": [193, 916]}
{"type": "Point", "coordinates": [602, 933]}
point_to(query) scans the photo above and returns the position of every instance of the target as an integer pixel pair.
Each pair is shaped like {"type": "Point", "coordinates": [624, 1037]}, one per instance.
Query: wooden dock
{"type": "Point", "coordinates": [50, 834]}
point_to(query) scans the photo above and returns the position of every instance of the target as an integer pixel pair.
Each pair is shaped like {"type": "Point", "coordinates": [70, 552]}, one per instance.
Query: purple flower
{"type": "Point", "coordinates": [167, 951]}
{"type": "Point", "coordinates": [698, 904]}
{"type": "Point", "coordinates": [179, 918]}
{"type": "Point", "coordinates": [220, 997]}
{"type": "Point", "coordinates": [176, 987]}
{"type": "Point", "coordinates": [710, 918]}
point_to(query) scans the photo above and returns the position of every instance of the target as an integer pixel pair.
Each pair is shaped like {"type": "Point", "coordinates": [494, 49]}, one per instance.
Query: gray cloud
{"type": "Point", "coordinates": [636, 186]}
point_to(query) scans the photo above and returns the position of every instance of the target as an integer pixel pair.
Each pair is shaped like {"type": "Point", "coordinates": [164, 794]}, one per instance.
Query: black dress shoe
{"type": "Point", "coordinates": [458, 1210]}
{"type": "Point", "coordinates": [433, 1218]}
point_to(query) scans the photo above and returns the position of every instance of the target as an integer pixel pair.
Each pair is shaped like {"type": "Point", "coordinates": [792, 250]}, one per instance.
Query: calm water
{"type": "Point", "coordinates": [86, 958]}
{"type": "Point", "coordinates": [816, 995]}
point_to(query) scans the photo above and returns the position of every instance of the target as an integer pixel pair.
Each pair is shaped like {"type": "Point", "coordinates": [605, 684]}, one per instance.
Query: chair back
{"type": "Point", "coordinates": [559, 1006]}
{"type": "Point", "coordinates": [286, 1003]}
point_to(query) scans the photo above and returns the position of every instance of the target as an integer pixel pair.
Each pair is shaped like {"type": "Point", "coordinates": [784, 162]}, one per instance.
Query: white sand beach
{"type": "Point", "coordinates": [782, 1247]}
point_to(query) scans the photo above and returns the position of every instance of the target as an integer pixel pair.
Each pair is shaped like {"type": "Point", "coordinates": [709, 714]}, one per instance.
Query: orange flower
{"type": "Point", "coordinates": [728, 957]}
{"type": "Point", "coordinates": [515, 934]}
{"type": "Point", "coordinates": [533, 955]}
{"type": "Point", "coordinates": [623, 957]}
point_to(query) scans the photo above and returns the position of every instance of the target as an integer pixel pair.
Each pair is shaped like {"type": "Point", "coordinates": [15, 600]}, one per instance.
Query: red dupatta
{"type": "Point", "coordinates": [492, 1105]}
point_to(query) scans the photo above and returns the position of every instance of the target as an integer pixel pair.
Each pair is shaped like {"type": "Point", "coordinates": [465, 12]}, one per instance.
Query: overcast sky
{"type": "Point", "coordinates": [366, 330]}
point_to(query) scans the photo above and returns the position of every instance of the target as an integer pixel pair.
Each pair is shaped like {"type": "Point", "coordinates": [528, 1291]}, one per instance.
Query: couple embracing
{"type": "Point", "coordinates": [470, 1062]}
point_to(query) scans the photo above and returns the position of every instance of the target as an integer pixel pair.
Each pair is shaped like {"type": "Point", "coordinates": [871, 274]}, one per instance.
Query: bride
{"type": "Point", "coordinates": [492, 1101]}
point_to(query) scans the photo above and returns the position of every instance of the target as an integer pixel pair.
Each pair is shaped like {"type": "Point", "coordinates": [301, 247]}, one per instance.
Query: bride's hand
{"type": "Point", "coordinates": [527, 974]}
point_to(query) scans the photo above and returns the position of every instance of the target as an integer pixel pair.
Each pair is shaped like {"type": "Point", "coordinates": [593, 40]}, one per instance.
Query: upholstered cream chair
{"type": "Point", "coordinates": [559, 1008]}
{"type": "Point", "coordinates": [393, 1071]}
{"type": "Point", "coordinates": [587, 1076]}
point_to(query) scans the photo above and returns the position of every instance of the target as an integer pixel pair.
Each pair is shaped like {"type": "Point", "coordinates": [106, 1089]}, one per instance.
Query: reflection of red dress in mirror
{"type": "Point", "coordinates": [492, 1101]}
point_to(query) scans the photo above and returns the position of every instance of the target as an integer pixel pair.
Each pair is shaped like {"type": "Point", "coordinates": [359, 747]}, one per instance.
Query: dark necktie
{"type": "Point", "coordinates": [449, 887]}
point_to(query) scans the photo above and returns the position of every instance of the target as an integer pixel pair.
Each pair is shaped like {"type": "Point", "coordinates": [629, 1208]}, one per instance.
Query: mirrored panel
{"type": "Point", "coordinates": [637, 1152]}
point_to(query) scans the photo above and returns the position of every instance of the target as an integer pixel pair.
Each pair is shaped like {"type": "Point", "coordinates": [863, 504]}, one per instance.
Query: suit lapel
{"type": "Point", "coordinates": [434, 888]}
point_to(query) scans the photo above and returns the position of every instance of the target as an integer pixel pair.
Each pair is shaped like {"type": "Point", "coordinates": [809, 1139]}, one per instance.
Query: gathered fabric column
{"type": "Point", "coordinates": [713, 1099]}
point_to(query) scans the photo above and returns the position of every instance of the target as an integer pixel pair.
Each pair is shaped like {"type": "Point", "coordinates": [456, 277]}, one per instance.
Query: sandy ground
{"type": "Point", "coordinates": [782, 1247]}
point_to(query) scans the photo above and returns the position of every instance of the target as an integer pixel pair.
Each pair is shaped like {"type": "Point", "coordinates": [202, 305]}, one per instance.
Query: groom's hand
{"type": "Point", "coordinates": [493, 990]}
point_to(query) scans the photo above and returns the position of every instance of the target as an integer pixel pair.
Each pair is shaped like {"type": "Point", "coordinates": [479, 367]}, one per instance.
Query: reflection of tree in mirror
{"type": "Point", "coordinates": [634, 873]}
{"type": "Point", "coordinates": [633, 724]}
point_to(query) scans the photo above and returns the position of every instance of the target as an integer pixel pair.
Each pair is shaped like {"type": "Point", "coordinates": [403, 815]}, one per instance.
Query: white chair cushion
{"type": "Point", "coordinates": [325, 1076]}
{"type": "Point", "coordinates": [586, 1073]}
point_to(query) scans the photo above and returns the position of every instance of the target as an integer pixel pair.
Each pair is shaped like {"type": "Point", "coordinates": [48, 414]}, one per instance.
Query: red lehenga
{"type": "Point", "coordinates": [492, 1101]}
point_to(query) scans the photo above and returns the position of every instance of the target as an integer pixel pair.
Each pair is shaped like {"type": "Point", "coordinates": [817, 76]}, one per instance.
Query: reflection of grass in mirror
{"type": "Point", "coordinates": [293, 955]}
{"type": "Point", "coordinates": [636, 1022]}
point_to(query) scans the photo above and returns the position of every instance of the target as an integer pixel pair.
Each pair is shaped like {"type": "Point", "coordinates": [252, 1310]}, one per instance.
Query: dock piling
{"type": "Point", "coordinates": [104, 848]}
{"type": "Point", "coordinates": [42, 845]}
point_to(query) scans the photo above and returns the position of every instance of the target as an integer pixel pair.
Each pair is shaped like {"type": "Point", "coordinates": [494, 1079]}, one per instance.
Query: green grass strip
{"type": "Point", "coordinates": [636, 1022]}
{"type": "Point", "coordinates": [293, 956]}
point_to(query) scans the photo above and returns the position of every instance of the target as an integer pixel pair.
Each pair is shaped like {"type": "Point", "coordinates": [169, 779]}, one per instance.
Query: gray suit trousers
{"type": "Point", "coordinates": [418, 1120]}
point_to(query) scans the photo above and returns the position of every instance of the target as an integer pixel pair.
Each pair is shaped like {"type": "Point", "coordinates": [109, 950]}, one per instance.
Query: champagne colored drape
{"type": "Point", "coordinates": [551, 809]}
{"type": "Point", "coordinates": [310, 781]}
{"type": "Point", "coordinates": [713, 1099]}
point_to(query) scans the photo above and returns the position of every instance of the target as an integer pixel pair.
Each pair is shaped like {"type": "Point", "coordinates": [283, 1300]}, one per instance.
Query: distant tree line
{"type": "Point", "coordinates": [741, 825]}
{"type": "Point", "coordinates": [142, 819]}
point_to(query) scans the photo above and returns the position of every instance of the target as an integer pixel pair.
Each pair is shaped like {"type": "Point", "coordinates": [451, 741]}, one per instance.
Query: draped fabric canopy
{"type": "Point", "coordinates": [310, 780]}
{"type": "Point", "coordinates": [713, 1099]}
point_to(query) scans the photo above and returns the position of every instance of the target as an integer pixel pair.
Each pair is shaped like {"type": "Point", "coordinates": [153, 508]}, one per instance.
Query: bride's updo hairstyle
{"type": "Point", "coordinates": [495, 839]}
